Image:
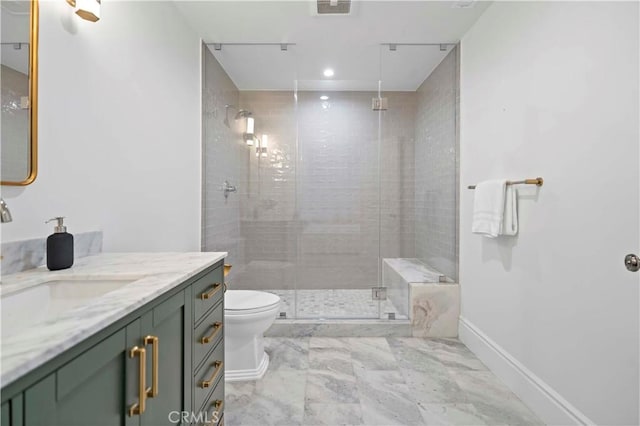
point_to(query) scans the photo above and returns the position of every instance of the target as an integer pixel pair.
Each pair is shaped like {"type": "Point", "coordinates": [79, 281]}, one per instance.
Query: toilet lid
{"type": "Point", "coordinates": [243, 300]}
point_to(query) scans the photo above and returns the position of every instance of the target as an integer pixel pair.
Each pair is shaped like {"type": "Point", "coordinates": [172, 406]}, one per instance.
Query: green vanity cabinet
{"type": "Point", "coordinates": [12, 411]}
{"type": "Point", "coordinates": [136, 372]}
{"type": "Point", "coordinates": [87, 390]}
{"type": "Point", "coordinates": [167, 336]}
{"type": "Point", "coordinates": [102, 386]}
{"type": "Point", "coordinates": [5, 418]}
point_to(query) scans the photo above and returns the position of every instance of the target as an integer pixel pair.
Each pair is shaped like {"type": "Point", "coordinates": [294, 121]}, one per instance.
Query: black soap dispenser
{"type": "Point", "coordinates": [59, 247]}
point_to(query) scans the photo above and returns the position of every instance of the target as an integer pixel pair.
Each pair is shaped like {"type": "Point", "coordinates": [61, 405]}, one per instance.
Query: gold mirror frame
{"type": "Point", "coordinates": [33, 98]}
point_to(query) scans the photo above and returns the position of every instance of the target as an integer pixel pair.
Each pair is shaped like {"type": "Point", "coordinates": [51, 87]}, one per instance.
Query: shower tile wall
{"type": "Point", "coordinates": [306, 214]}
{"type": "Point", "coordinates": [436, 169]}
{"type": "Point", "coordinates": [332, 241]}
{"type": "Point", "coordinates": [397, 182]}
{"type": "Point", "coordinates": [268, 208]}
{"type": "Point", "coordinates": [223, 151]}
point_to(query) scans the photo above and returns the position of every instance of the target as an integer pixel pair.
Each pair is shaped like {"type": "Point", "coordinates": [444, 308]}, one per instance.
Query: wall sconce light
{"type": "Point", "coordinates": [88, 10]}
{"type": "Point", "coordinates": [261, 149]}
{"type": "Point", "coordinates": [249, 133]}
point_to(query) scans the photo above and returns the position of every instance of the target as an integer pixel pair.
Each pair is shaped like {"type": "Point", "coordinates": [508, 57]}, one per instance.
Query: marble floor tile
{"type": "Point", "coordinates": [373, 381]}
{"type": "Point", "coordinates": [331, 359]}
{"type": "Point", "coordinates": [372, 353]}
{"type": "Point", "coordinates": [435, 386]}
{"type": "Point", "coordinates": [493, 400]}
{"type": "Point", "coordinates": [276, 399]}
{"type": "Point", "coordinates": [386, 398]}
{"type": "Point", "coordinates": [426, 354]}
{"type": "Point", "coordinates": [287, 353]}
{"type": "Point", "coordinates": [332, 414]}
{"type": "Point", "coordinates": [239, 390]}
{"type": "Point", "coordinates": [412, 354]}
{"type": "Point", "coordinates": [507, 413]}
{"type": "Point", "coordinates": [453, 354]}
{"type": "Point", "coordinates": [450, 414]}
{"type": "Point", "coordinates": [325, 386]}
{"type": "Point", "coordinates": [329, 342]}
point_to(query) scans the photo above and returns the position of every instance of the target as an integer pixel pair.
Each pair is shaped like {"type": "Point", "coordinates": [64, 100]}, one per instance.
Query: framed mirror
{"type": "Point", "coordinates": [19, 81]}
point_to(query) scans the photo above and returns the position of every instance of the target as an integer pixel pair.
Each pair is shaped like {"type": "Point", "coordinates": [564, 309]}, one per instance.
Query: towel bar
{"type": "Point", "coordinates": [537, 181]}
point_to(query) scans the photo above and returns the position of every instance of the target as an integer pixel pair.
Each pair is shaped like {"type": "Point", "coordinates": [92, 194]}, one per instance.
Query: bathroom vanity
{"type": "Point", "coordinates": [119, 339]}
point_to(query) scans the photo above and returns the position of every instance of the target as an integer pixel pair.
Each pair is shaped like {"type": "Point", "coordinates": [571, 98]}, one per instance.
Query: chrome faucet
{"type": "Point", "coordinates": [5, 213]}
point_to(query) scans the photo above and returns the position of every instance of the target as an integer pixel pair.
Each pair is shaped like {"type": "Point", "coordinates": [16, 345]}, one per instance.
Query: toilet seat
{"type": "Point", "coordinates": [245, 302]}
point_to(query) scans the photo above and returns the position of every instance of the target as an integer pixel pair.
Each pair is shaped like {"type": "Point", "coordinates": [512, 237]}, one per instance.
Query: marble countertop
{"type": "Point", "coordinates": [152, 274]}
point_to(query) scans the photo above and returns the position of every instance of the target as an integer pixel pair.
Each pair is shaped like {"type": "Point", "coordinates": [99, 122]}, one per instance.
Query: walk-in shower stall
{"type": "Point", "coordinates": [315, 173]}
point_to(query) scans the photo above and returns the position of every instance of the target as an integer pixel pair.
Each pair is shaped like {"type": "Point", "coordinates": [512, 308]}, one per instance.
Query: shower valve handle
{"type": "Point", "coordinates": [227, 188]}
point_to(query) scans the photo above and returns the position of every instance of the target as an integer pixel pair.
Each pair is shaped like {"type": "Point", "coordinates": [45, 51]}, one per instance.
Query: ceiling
{"type": "Point", "coordinates": [350, 44]}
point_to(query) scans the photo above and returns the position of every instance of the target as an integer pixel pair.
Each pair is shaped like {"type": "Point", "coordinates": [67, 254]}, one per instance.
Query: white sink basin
{"type": "Point", "coordinates": [49, 300]}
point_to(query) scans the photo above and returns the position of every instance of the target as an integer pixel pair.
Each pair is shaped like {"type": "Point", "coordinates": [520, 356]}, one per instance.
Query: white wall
{"type": "Point", "coordinates": [551, 89]}
{"type": "Point", "coordinates": [119, 126]}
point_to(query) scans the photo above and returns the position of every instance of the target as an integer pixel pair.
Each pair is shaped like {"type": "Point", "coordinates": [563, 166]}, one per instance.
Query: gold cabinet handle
{"type": "Point", "coordinates": [227, 269]}
{"type": "Point", "coordinates": [217, 326]}
{"type": "Point", "coordinates": [155, 342]}
{"type": "Point", "coordinates": [209, 294]}
{"type": "Point", "coordinates": [217, 405]}
{"type": "Point", "coordinates": [207, 383]}
{"type": "Point", "coordinates": [139, 407]}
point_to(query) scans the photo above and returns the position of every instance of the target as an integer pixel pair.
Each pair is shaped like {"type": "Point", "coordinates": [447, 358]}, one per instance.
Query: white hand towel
{"type": "Point", "coordinates": [488, 208]}
{"type": "Point", "coordinates": [510, 220]}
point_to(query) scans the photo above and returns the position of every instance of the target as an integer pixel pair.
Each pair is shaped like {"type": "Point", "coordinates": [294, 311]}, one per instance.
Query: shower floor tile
{"type": "Point", "coordinates": [334, 303]}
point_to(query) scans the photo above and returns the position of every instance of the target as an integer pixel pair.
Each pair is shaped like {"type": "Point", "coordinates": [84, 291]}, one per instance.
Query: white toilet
{"type": "Point", "coordinates": [247, 315]}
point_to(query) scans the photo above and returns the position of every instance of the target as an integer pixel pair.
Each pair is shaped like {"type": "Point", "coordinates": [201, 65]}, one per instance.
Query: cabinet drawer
{"type": "Point", "coordinates": [213, 409]}
{"type": "Point", "coordinates": [207, 335]}
{"type": "Point", "coordinates": [209, 375]}
{"type": "Point", "coordinates": [207, 292]}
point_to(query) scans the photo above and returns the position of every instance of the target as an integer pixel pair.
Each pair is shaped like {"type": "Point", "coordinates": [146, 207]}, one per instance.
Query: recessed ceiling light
{"type": "Point", "coordinates": [324, 98]}
{"type": "Point", "coordinates": [328, 72]}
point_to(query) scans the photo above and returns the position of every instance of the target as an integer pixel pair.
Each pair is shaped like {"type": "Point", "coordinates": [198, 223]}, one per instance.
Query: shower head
{"type": "Point", "coordinates": [243, 113]}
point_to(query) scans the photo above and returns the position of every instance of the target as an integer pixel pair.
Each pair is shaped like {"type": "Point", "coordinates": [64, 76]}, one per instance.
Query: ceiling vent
{"type": "Point", "coordinates": [328, 7]}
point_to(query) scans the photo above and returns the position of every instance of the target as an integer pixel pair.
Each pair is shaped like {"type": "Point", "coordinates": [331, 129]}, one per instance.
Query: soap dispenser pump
{"type": "Point", "coordinates": [59, 247]}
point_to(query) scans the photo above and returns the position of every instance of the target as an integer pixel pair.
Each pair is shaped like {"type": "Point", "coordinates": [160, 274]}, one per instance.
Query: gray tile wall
{"type": "Point", "coordinates": [223, 152]}
{"type": "Point", "coordinates": [268, 206]}
{"type": "Point", "coordinates": [397, 183]}
{"type": "Point", "coordinates": [306, 214]}
{"type": "Point", "coordinates": [311, 214]}
{"type": "Point", "coordinates": [436, 168]}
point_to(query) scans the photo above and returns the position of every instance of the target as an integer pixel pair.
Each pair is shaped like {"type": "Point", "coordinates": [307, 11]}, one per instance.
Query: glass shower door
{"type": "Point", "coordinates": [337, 200]}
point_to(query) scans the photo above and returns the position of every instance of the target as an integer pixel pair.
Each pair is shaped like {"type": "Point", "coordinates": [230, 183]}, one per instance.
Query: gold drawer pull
{"type": "Point", "coordinates": [209, 294]}
{"type": "Point", "coordinates": [139, 407]}
{"type": "Point", "coordinates": [207, 383]}
{"type": "Point", "coordinates": [217, 326]}
{"type": "Point", "coordinates": [154, 341]}
{"type": "Point", "coordinates": [217, 404]}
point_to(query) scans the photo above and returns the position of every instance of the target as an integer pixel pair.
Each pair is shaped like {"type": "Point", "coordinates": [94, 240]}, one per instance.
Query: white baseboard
{"type": "Point", "coordinates": [543, 400]}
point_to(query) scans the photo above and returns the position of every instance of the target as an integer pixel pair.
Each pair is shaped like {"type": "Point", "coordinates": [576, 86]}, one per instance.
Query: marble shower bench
{"type": "Point", "coordinates": [428, 298]}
